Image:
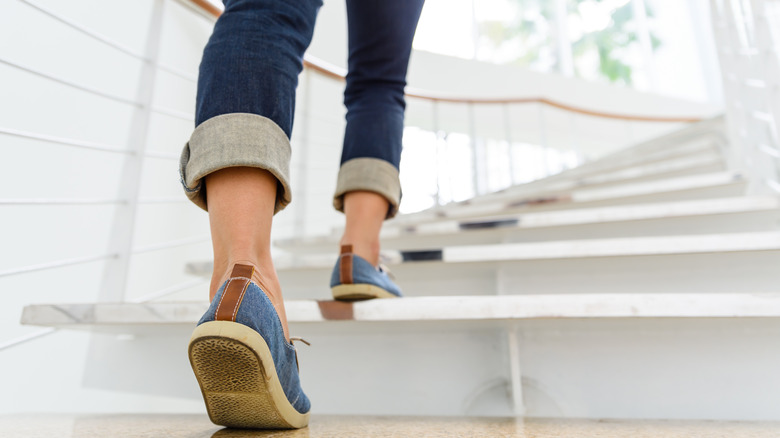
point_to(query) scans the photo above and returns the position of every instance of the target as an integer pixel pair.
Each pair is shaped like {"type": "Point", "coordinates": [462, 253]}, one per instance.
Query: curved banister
{"type": "Point", "coordinates": [334, 72]}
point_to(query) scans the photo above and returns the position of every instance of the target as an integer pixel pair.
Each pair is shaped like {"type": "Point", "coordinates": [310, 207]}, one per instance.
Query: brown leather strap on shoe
{"type": "Point", "coordinates": [345, 273]}
{"type": "Point", "coordinates": [227, 309]}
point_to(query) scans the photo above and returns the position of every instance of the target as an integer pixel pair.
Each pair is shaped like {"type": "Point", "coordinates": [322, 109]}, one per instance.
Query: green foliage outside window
{"type": "Point", "coordinates": [531, 33]}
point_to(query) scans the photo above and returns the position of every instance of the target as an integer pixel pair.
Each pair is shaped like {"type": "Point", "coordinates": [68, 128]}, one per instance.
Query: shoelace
{"type": "Point", "coordinates": [383, 268]}
{"type": "Point", "coordinates": [295, 338]}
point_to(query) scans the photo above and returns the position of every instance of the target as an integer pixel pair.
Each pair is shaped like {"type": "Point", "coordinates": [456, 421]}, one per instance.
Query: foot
{"type": "Point", "coordinates": [355, 278]}
{"type": "Point", "coordinates": [245, 366]}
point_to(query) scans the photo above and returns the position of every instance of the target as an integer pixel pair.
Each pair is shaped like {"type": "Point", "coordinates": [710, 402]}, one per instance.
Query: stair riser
{"type": "Point", "coordinates": [692, 225]}
{"type": "Point", "coordinates": [751, 271]}
{"type": "Point", "coordinates": [655, 368]}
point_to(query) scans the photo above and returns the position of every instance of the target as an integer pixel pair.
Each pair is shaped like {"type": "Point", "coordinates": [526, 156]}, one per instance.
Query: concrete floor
{"type": "Point", "coordinates": [198, 426]}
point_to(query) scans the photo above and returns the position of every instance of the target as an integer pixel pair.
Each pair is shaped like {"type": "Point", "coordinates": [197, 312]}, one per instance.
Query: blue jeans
{"type": "Point", "coordinates": [246, 93]}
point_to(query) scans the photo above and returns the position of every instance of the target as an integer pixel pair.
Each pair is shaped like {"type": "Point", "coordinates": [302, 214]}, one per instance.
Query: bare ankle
{"type": "Point", "coordinates": [367, 250]}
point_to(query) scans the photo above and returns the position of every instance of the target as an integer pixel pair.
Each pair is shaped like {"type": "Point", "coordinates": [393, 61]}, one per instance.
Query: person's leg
{"type": "Point", "coordinates": [241, 206]}
{"type": "Point", "coordinates": [368, 189]}
{"type": "Point", "coordinates": [236, 164]}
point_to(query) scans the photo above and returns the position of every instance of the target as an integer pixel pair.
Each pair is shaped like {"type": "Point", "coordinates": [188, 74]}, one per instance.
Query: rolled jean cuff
{"type": "Point", "coordinates": [236, 140]}
{"type": "Point", "coordinates": [372, 175]}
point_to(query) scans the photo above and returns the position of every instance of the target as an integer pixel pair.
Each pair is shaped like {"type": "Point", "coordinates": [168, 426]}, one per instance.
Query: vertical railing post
{"type": "Point", "coordinates": [576, 144]}
{"type": "Point", "coordinates": [114, 281]}
{"type": "Point", "coordinates": [509, 142]}
{"type": "Point", "coordinates": [506, 285]}
{"type": "Point", "coordinates": [436, 128]}
{"type": "Point", "coordinates": [475, 159]}
{"type": "Point", "coordinates": [725, 36]}
{"type": "Point", "coordinates": [515, 372]}
{"type": "Point", "coordinates": [303, 146]}
{"type": "Point", "coordinates": [543, 140]}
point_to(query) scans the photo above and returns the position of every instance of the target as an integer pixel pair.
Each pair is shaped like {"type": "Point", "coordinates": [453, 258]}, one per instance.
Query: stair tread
{"type": "Point", "coordinates": [448, 308]}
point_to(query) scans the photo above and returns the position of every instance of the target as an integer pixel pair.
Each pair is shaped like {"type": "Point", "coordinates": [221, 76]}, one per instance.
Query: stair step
{"type": "Point", "coordinates": [615, 247]}
{"type": "Point", "coordinates": [703, 137]}
{"type": "Point", "coordinates": [708, 216]}
{"type": "Point", "coordinates": [697, 161]}
{"type": "Point", "coordinates": [110, 317]}
{"type": "Point", "coordinates": [719, 263]}
{"type": "Point", "coordinates": [665, 366]}
{"type": "Point", "coordinates": [704, 186]}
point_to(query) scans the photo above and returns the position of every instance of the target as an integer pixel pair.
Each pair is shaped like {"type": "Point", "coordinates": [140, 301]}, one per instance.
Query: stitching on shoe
{"type": "Point", "coordinates": [240, 298]}
{"type": "Point", "coordinates": [222, 297]}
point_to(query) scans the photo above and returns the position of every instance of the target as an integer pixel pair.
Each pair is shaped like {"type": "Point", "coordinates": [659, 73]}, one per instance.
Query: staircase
{"type": "Point", "coordinates": [641, 285]}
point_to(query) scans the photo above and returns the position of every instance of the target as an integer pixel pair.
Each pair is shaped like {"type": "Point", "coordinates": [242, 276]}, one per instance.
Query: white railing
{"type": "Point", "coordinates": [748, 34]}
{"type": "Point", "coordinates": [537, 136]}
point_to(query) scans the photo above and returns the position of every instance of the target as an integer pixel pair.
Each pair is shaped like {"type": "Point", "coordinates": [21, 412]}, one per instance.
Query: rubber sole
{"type": "Point", "coordinates": [236, 374]}
{"type": "Point", "coordinates": [361, 291]}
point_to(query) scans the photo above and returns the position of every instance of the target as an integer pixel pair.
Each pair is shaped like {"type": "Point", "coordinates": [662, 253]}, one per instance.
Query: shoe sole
{"type": "Point", "coordinates": [237, 376]}
{"type": "Point", "coordinates": [361, 291]}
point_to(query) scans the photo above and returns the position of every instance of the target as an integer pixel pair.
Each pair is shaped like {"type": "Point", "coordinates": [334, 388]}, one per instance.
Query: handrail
{"type": "Point", "coordinates": [333, 72]}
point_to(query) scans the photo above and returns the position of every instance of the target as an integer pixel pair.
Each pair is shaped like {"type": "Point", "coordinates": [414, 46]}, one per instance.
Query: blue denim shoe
{"type": "Point", "coordinates": [354, 278]}
{"type": "Point", "coordinates": [246, 369]}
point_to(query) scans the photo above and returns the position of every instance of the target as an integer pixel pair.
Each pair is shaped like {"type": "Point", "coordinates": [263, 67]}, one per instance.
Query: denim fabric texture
{"type": "Point", "coordinates": [369, 174]}
{"type": "Point", "coordinates": [252, 59]}
{"type": "Point", "coordinates": [231, 140]}
{"type": "Point", "coordinates": [251, 65]}
{"type": "Point", "coordinates": [257, 312]}
{"type": "Point", "coordinates": [363, 272]}
{"type": "Point", "coordinates": [380, 43]}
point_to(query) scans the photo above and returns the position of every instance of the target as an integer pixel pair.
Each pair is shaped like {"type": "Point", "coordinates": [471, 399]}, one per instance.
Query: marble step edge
{"type": "Point", "coordinates": [457, 308]}
{"type": "Point", "coordinates": [576, 198]}
{"type": "Point", "coordinates": [556, 218]}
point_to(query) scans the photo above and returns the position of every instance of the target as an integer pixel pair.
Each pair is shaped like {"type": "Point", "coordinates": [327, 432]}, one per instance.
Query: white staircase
{"type": "Point", "coordinates": [642, 285]}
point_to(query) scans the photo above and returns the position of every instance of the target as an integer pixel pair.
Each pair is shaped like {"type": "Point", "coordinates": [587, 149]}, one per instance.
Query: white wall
{"type": "Point", "coordinates": [52, 367]}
